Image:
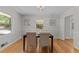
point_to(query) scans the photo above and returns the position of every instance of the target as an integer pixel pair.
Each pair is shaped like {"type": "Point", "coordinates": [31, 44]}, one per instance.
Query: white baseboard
{"type": "Point", "coordinates": [8, 44]}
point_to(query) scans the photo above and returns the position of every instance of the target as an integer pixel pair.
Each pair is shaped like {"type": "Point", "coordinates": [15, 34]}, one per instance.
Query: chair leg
{"type": "Point", "coordinates": [23, 44]}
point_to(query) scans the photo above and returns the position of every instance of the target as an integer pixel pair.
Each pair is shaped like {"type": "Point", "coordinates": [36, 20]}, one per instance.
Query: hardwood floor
{"type": "Point", "coordinates": [17, 47]}
{"type": "Point", "coordinates": [63, 46]}
{"type": "Point", "coordinates": [59, 46]}
{"type": "Point", "coordinates": [14, 48]}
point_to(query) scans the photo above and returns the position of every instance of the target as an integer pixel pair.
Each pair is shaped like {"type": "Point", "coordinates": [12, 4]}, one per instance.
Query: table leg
{"type": "Point", "coordinates": [51, 44]}
{"type": "Point", "coordinates": [23, 44]}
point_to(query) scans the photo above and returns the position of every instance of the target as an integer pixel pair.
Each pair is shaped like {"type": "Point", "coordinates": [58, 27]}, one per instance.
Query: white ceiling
{"type": "Point", "coordinates": [47, 10]}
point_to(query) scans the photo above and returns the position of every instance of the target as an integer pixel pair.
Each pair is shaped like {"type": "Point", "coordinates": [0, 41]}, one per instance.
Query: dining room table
{"type": "Point", "coordinates": [38, 36]}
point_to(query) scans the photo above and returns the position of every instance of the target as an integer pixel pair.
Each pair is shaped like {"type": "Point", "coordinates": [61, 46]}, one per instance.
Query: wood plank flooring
{"type": "Point", "coordinates": [63, 46]}
{"type": "Point", "coordinates": [15, 47]}
{"type": "Point", "coordinates": [59, 46]}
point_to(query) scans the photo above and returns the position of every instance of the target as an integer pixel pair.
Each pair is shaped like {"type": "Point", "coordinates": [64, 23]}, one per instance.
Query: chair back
{"type": "Point", "coordinates": [31, 40]}
{"type": "Point", "coordinates": [44, 39]}
{"type": "Point", "coordinates": [44, 42]}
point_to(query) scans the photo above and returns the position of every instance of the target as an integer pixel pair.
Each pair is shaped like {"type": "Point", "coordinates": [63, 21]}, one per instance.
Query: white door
{"type": "Point", "coordinates": [69, 26]}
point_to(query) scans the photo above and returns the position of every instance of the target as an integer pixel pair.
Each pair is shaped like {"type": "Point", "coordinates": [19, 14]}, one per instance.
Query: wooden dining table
{"type": "Point", "coordinates": [37, 36]}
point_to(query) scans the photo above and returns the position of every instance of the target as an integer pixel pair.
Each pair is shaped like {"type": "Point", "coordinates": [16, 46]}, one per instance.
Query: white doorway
{"type": "Point", "coordinates": [69, 27]}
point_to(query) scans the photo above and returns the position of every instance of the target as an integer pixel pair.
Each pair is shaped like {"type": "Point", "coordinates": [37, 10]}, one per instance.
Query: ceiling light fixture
{"type": "Point", "coordinates": [40, 8]}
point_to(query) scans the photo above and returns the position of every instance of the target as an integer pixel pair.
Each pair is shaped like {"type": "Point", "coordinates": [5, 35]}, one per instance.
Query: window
{"type": "Point", "coordinates": [5, 23]}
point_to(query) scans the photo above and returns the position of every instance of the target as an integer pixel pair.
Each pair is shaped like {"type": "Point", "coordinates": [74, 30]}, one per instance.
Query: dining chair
{"type": "Point", "coordinates": [44, 42]}
{"type": "Point", "coordinates": [31, 42]}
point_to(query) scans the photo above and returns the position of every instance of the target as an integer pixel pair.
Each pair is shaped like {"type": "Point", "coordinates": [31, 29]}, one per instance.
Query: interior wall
{"type": "Point", "coordinates": [75, 12]}
{"type": "Point", "coordinates": [53, 28]}
{"type": "Point", "coordinates": [15, 26]}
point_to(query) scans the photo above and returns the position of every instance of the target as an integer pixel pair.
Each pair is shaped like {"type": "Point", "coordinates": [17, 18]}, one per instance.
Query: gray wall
{"type": "Point", "coordinates": [15, 26]}
{"type": "Point", "coordinates": [75, 12]}
{"type": "Point", "coordinates": [53, 28]}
